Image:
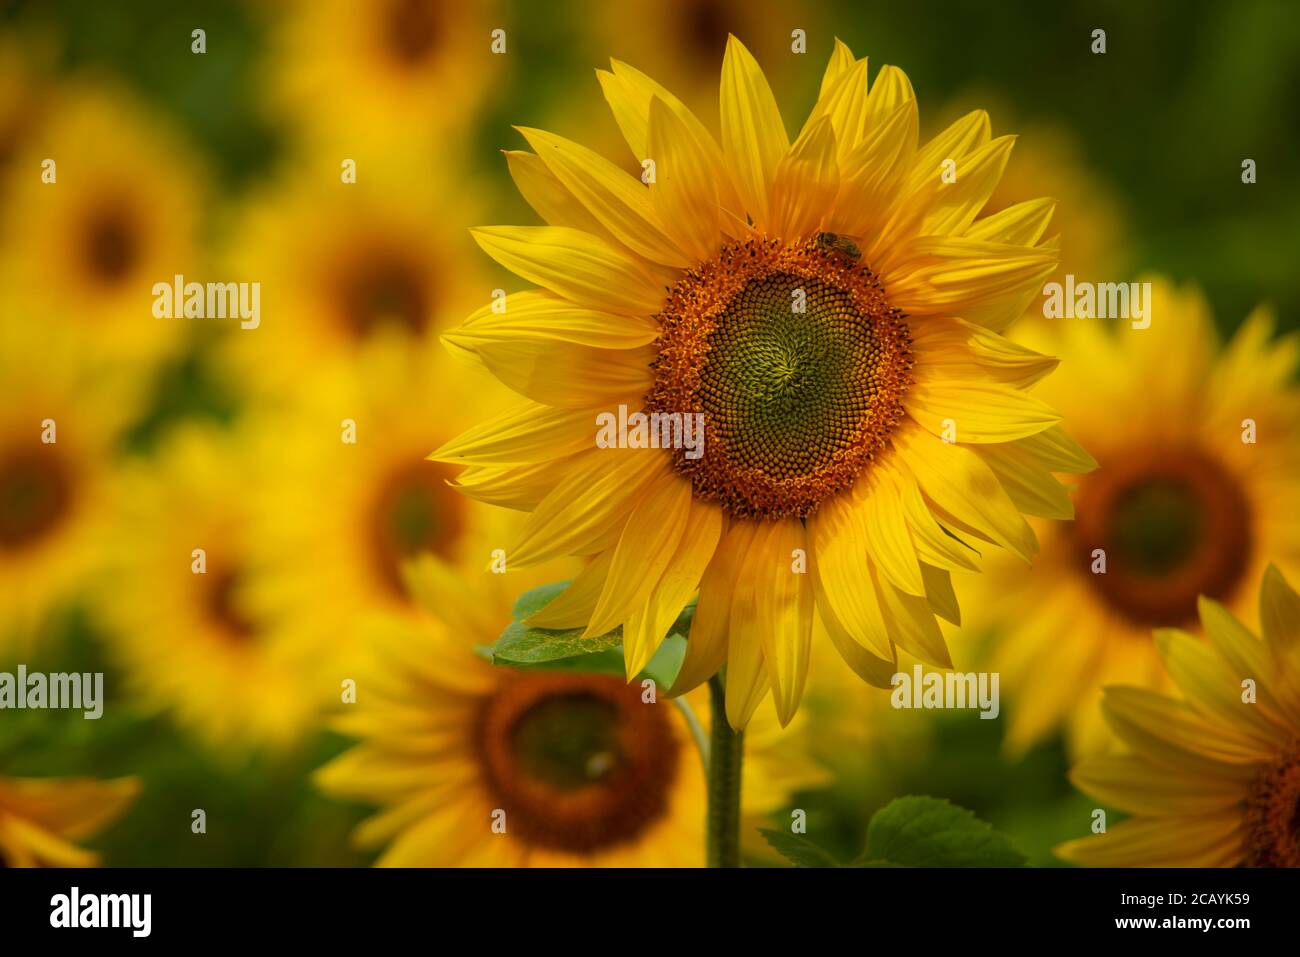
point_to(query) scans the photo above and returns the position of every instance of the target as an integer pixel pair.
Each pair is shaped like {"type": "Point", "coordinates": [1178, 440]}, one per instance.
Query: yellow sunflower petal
{"type": "Point", "coordinates": [706, 649]}
{"type": "Point", "coordinates": [806, 182]}
{"type": "Point", "coordinates": [961, 483]}
{"type": "Point", "coordinates": [573, 264]}
{"type": "Point", "coordinates": [975, 411]}
{"type": "Point", "coordinates": [647, 626]}
{"type": "Point", "coordinates": [780, 615]}
{"type": "Point", "coordinates": [618, 201]}
{"type": "Point", "coordinates": [685, 192]}
{"type": "Point", "coordinates": [754, 139]}
{"type": "Point", "coordinates": [1132, 785]}
{"type": "Point", "coordinates": [1193, 841]}
{"type": "Point", "coordinates": [644, 550]}
{"type": "Point", "coordinates": [593, 498]}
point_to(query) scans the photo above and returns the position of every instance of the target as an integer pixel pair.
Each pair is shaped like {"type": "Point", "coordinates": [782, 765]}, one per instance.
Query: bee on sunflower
{"type": "Point", "coordinates": [1211, 777]}
{"type": "Point", "coordinates": [833, 307]}
{"type": "Point", "coordinates": [482, 765]}
{"type": "Point", "coordinates": [1193, 496]}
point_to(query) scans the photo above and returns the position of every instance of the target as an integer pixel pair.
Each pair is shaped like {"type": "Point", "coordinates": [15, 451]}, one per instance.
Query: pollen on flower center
{"type": "Point", "coordinates": [798, 364]}
{"type": "Point", "coordinates": [1273, 813]}
{"type": "Point", "coordinates": [579, 763]}
{"type": "Point", "coordinates": [1174, 525]}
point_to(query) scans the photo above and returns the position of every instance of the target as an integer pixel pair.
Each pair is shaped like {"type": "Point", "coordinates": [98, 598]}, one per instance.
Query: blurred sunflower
{"type": "Point", "coordinates": [60, 418]}
{"type": "Point", "coordinates": [182, 614]}
{"type": "Point", "coordinates": [41, 817]}
{"type": "Point", "coordinates": [354, 496]}
{"type": "Point", "coordinates": [680, 39]}
{"type": "Point", "coordinates": [1212, 778]}
{"type": "Point", "coordinates": [351, 74]}
{"type": "Point", "coordinates": [1190, 499]}
{"type": "Point", "coordinates": [340, 265]}
{"type": "Point", "coordinates": [25, 64]}
{"type": "Point", "coordinates": [585, 771]}
{"type": "Point", "coordinates": [832, 309]}
{"type": "Point", "coordinates": [121, 215]}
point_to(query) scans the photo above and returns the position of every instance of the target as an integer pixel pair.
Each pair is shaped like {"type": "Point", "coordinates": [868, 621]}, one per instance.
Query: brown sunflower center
{"type": "Point", "coordinates": [225, 608]}
{"type": "Point", "coordinates": [415, 511]}
{"type": "Point", "coordinates": [411, 30]}
{"type": "Point", "coordinates": [798, 364]}
{"type": "Point", "coordinates": [385, 288]}
{"type": "Point", "coordinates": [1174, 525]}
{"type": "Point", "coordinates": [578, 762]}
{"type": "Point", "coordinates": [1273, 813]}
{"type": "Point", "coordinates": [111, 245]}
{"type": "Point", "coordinates": [36, 492]}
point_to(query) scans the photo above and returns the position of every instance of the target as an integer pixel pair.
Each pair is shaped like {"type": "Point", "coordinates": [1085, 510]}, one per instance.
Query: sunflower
{"type": "Point", "coordinates": [179, 602]}
{"type": "Point", "coordinates": [349, 74]}
{"type": "Point", "coordinates": [25, 66]}
{"type": "Point", "coordinates": [60, 417]}
{"type": "Point", "coordinates": [832, 309]}
{"type": "Point", "coordinates": [1212, 778]}
{"type": "Point", "coordinates": [579, 769]}
{"type": "Point", "coordinates": [121, 214]}
{"type": "Point", "coordinates": [680, 39]}
{"type": "Point", "coordinates": [1194, 496]}
{"type": "Point", "coordinates": [354, 497]}
{"type": "Point", "coordinates": [41, 817]}
{"type": "Point", "coordinates": [342, 265]}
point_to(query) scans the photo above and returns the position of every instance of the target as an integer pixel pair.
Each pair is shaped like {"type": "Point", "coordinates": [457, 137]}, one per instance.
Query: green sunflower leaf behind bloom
{"type": "Point", "coordinates": [526, 646]}
{"type": "Point", "coordinates": [912, 832]}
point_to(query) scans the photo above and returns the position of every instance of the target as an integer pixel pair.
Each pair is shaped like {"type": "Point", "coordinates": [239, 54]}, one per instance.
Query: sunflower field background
{"type": "Point", "coordinates": [232, 164]}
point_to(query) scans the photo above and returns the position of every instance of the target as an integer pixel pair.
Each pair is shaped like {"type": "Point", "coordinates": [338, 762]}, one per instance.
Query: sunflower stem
{"type": "Point", "coordinates": [726, 752]}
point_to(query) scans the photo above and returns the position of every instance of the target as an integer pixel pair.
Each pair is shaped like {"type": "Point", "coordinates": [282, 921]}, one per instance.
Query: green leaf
{"type": "Point", "coordinates": [535, 599]}
{"type": "Point", "coordinates": [523, 646]}
{"type": "Point", "coordinates": [520, 644]}
{"type": "Point", "coordinates": [929, 832]}
{"type": "Point", "coordinates": [798, 850]}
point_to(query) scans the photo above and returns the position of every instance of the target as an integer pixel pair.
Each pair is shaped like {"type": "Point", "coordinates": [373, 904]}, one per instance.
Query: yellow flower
{"type": "Point", "coordinates": [1212, 778]}
{"type": "Point", "coordinates": [353, 497]}
{"type": "Point", "coordinates": [831, 309]}
{"type": "Point", "coordinates": [25, 63]}
{"type": "Point", "coordinates": [60, 417]}
{"type": "Point", "coordinates": [384, 73]}
{"type": "Point", "coordinates": [181, 602]}
{"type": "Point", "coordinates": [1194, 495]}
{"type": "Point", "coordinates": [41, 817]}
{"type": "Point", "coordinates": [341, 265]}
{"type": "Point", "coordinates": [120, 215]}
{"type": "Point", "coordinates": [490, 766]}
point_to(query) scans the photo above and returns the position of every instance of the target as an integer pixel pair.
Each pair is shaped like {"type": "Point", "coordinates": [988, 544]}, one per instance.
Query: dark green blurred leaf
{"type": "Point", "coordinates": [929, 832]}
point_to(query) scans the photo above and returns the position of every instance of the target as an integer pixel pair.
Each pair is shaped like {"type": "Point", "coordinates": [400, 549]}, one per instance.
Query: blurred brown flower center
{"type": "Point", "coordinates": [1174, 525]}
{"type": "Point", "coordinates": [36, 492]}
{"type": "Point", "coordinates": [111, 245]}
{"type": "Point", "coordinates": [412, 29]}
{"type": "Point", "coordinates": [579, 763]}
{"type": "Point", "coordinates": [385, 289]}
{"type": "Point", "coordinates": [415, 511]}
{"type": "Point", "coordinates": [225, 608]}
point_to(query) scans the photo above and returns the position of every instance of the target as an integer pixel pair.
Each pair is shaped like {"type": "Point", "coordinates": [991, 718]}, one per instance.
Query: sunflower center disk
{"type": "Point", "coordinates": [798, 365]}
{"type": "Point", "coordinates": [1273, 813]}
{"type": "Point", "coordinates": [415, 511]}
{"type": "Point", "coordinates": [578, 762]}
{"type": "Point", "coordinates": [36, 491]}
{"type": "Point", "coordinates": [1174, 525]}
